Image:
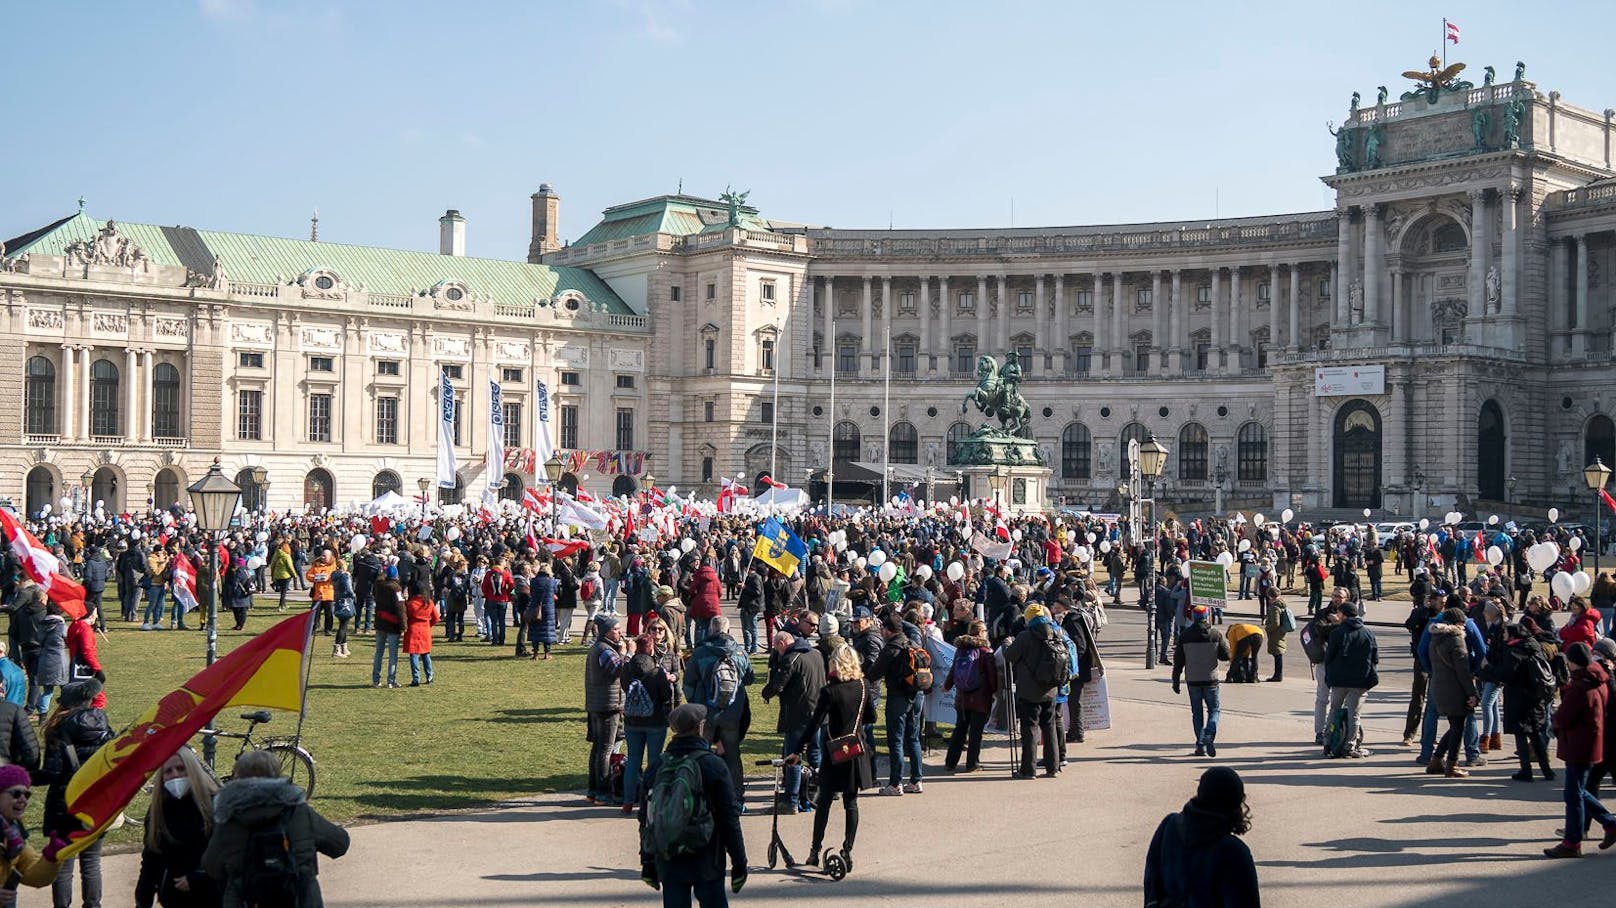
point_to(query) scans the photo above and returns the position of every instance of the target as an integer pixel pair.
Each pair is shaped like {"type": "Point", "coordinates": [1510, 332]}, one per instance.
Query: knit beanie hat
{"type": "Point", "coordinates": [1606, 647]}
{"type": "Point", "coordinates": [1220, 790]}
{"type": "Point", "coordinates": [1579, 654]}
{"type": "Point", "coordinates": [12, 774]}
{"type": "Point", "coordinates": [79, 694]}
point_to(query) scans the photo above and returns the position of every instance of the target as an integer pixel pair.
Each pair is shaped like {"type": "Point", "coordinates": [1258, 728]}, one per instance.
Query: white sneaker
{"type": "Point", "coordinates": [145, 627]}
{"type": "Point", "coordinates": [891, 791]}
{"type": "Point", "coordinates": [913, 788]}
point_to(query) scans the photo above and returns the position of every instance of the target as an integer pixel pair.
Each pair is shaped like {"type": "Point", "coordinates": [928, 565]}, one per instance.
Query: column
{"type": "Point", "coordinates": [1214, 356]}
{"type": "Point", "coordinates": [1237, 339]}
{"type": "Point", "coordinates": [1399, 306]}
{"type": "Point", "coordinates": [1119, 324]}
{"type": "Point", "coordinates": [85, 355]}
{"type": "Point", "coordinates": [67, 427]}
{"type": "Point", "coordinates": [1178, 322]}
{"type": "Point", "coordinates": [984, 342]}
{"type": "Point", "coordinates": [1560, 310]}
{"type": "Point", "coordinates": [945, 309]}
{"type": "Point", "coordinates": [1394, 444]}
{"type": "Point", "coordinates": [1295, 336]}
{"type": "Point", "coordinates": [1005, 304]}
{"type": "Point", "coordinates": [1579, 340]}
{"type": "Point", "coordinates": [1479, 242]}
{"type": "Point", "coordinates": [1510, 244]}
{"type": "Point", "coordinates": [1159, 349]}
{"type": "Point", "coordinates": [865, 357]}
{"type": "Point", "coordinates": [923, 303]}
{"type": "Point", "coordinates": [1061, 345]}
{"type": "Point", "coordinates": [132, 404]}
{"type": "Point", "coordinates": [1040, 329]}
{"type": "Point", "coordinates": [150, 360]}
{"type": "Point", "coordinates": [1274, 306]}
{"type": "Point", "coordinates": [1101, 336]}
{"type": "Point", "coordinates": [827, 351]}
{"type": "Point", "coordinates": [1372, 265]}
{"type": "Point", "coordinates": [888, 303]}
{"type": "Point", "coordinates": [1342, 267]}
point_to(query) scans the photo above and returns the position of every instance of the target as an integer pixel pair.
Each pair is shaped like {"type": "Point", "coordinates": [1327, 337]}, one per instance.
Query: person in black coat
{"type": "Point", "coordinates": [131, 565]}
{"type": "Point", "coordinates": [1510, 664]}
{"type": "Point", "coordinates": [845, 705]}
{"type": "Point", "coordinates": [701, 873]}
{"type": "Point", "coordinates": [178, 825]}
{"type": "Point", "coordinates": [72, 734]}
{"type": "Point", "coordinates": [1196, 856]}
{"type": "Point", "coordinates": [796, 676]}
{"type": "Point", "coordinates": [18, 744]}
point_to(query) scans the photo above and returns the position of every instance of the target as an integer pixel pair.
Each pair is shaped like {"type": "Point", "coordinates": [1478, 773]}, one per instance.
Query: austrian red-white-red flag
{"type": "Point", "coordinates": [184, 576]}
{"type": "Point", "coordinates": [535, 502]}
{"type": "Point", "coordinates": [773, 483]}
{"type": "Point", "coordinates": [565, 548]}
{"type": "Point", "coordinates": [42, 567]}
{"type": "Point", "coordinates": [1453, 31]}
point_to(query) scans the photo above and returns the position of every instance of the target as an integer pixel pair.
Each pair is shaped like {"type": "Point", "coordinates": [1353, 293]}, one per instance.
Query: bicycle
{"type": "Point", "coordinates": [294, 759]}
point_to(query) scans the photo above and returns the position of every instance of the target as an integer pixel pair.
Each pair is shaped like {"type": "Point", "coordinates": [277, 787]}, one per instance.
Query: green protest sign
{"type": "Point", "coordinates": [1208, 584]}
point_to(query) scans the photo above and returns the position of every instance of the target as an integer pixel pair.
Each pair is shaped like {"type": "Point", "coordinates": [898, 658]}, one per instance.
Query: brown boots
{"type": "Point", "coordinates": [1441, 767]}
{"type": "Point", "coordinates": [1436, 767]}
{"type": "Point", "coordinates": [1493, 742]}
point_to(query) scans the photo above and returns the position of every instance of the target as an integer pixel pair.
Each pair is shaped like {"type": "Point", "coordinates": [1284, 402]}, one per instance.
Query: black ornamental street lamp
{"type": "Point", "coordinates": [1597, 475]}
{"type": "Point", "coordinates": [214, 499]}
{"type": "Point", "coordinates": [1148, 460]}
{"type": "Point", "coordinates": [553, 468]}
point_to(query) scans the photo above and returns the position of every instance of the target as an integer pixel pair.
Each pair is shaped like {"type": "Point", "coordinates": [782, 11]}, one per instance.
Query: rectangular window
{"type": "Point", "coordinates": [766, 354]}
{"type": "Point", "coordinates": [709, 352]}
{"type": "Point", "coordinates": [569, 427]}
{"type": "Point", "coordinates": [455, 372]}
{"type": "Point", "coordinates": [1024, 356]}
{"type": "Point", "coordinates": [1324, 288]}
{"type": "Point", "coordinates": [1203, 294]}
{"type": "Point", "coordinates": [846, 358]}
{"type": "Point", "coordinates": [712, 291]}
{"type": "Point", "coordinates": [1262, 355]}
{"type": "Point", "coordinates": [625, 428]}
{"type": "Point", "coordinates": [1203, 350]}
{"type": "Point", "coordinates": [766, 412]}
{"type": "Point", "coordinates": [570, 380]}
{"type": "Point", "coordinates": [387, 420]}
{"type": "Point", "coordinates": [673, 293]}
{"type": "Point", "coordinates": [250, 360]}
{"type": "Point", "coordinates": [387, 367]}
{"type": "Point", "coordinates": [1082, 358]}
{"type": "Point", "coordinates": [1141, 358]}
{"type": "Point", "coordinates": [1085, 299]}
{"type": "Point", "coordinates": [1144, 297]}
{"type": "Point", "coordinates": [319, 417]}
{"type": "Point", "coordinates": [512, 413]}
{"type": "Point", "coordinates": [903, 361]}
{"type": "Point", "coordinates": [459, 411]}
{"type": "Point", "coordinates": [625, 382]}
{"type": "Point", "coordinates": [967, 302]}
{"type": "Point", "coordinates": [906, 303]}
{"type": "Point", "coordinates": [766, 291]}
{"type": "Point", "coordinates": [321, 364]}
{"type": "Point", "coordinates": [964, 358]}
{"type": "Point", "coordinates": [249, 415]}
{"type": "Point", "coordinates": [706, 469]}
{"type": "Point", "coordinates": [1018, 491]}
{"type": "Point", "coordinates": [707, 408]}
{"type": "Point", "coordinates": [510, 374]}
{"type": "Point", "coordinates": [1024, 301]}
{"type": "Point", "coordinates": [1264, 291]}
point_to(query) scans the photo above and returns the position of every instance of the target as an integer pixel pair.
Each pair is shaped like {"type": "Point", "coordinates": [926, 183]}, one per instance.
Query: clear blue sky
{"type": "Point", "coordinates": [247, 114]}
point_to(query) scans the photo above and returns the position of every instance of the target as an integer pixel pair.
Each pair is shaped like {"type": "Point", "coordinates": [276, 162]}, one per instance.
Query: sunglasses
{"type": "Point", "coordinates": [19, 792]}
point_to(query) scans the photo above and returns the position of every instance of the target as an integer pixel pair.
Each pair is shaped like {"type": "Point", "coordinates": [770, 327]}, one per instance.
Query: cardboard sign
{"type": "Point", "coordinates": [1208, 584]}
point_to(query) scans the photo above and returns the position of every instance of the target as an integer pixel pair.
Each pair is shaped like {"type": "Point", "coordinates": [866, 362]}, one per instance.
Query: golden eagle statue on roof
{"type": "Point", "coordinates": [1436, 80]}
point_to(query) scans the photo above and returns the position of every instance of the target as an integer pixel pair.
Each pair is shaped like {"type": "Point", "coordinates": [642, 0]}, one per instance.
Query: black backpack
{"type": "Point", "coordinates": [270, 878]}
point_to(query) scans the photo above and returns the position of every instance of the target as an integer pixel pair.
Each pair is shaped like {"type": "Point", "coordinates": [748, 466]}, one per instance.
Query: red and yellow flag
{"type": "Point", "coordinates": [265, 671]}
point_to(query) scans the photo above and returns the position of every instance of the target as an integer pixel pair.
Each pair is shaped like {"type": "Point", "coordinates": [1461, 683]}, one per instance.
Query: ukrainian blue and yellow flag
{"type": "Point", "coordinates": [778, 547]}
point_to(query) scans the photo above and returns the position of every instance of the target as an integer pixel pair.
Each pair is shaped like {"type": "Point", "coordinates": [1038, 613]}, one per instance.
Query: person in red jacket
{"type": "Point", "coordinates": [420, 616]}
{"type": "Point", "coordinates": [82, 656]}
{"type": "Point", "coordinates": [1583, 626]}
{"type": "Point", "coordinates": [497, 587]}
{"type": "Point", "coordinates": [701, 594]}
{"type": "Point", "coordinates": [1579, 724]}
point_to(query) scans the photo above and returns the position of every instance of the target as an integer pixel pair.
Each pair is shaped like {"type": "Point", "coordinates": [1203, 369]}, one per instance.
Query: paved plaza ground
{"type": "Point", "coordinates": [1330, 833]}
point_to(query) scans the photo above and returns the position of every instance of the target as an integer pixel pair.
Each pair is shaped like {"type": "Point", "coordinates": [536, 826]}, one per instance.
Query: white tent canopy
{"type": "Point", "coordinates": [387, 502]}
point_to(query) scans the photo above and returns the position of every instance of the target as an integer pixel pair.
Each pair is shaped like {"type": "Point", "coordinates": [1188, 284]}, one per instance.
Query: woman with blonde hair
{"type": "Point", "coordinates": [179, 824]}
{"type": "Point", "coordinates": [844, 707]}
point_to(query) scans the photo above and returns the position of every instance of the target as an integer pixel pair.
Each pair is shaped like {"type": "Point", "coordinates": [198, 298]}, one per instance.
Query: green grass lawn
{"type": "Point", "coordinates": [491, 728]}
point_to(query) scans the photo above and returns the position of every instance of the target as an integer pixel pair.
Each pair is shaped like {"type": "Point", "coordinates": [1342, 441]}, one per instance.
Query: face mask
{"type": "Point", "coordinates": [178, 788]}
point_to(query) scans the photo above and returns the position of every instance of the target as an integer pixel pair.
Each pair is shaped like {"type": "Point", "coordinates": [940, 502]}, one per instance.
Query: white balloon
{"type": "Point", "coordinates": [1105, 545]}
{"type": "Point", "coordinates": [1492, 521]}
{"type": "Point", "coordinates": [1286, 515]}
{"type": "Point", "coordinates": [687, 545]}
{"type": "Point", "coordinates": [1245, 545]}
{"type": "Point", "coordinates": [1093, 538]}
{"type": "Point", "coordinates": [923, 572]}
{"type": "Point", "coordinates": [862, 562]}
{"type": "Point", "coordinates": [45, 508]}
{"type": "Point", "coordinates": [1425, 524]}
{"type": "Point", "coordinates": [896, 501]}
{"type": "Point", "coordinates": [1225, 559]}
{"type": "Point", "coordinates": [1539, 557]}
{"type": "Point", "coordinates": [953, 500]}
{"type": "Point", "coordinates": [877, 558]}
{"type": "Point", "coordinates": [1366, 512]}
{"type": "Point", "coordinates": [356, 543]}
{"type": "Point", "coordinates": [1015, 535]}
{"type": "Point", "coordinates": [955, 571]}
{"type": "Point", "coordinates": [887, 572]}
{"type": "Point", "coordinates": [1084, 555]}
{"type": "Point", "coordinates": [1562, 585]}
{"type": "Point", "coordinates": [1581, 583]}
{"type": "Point", "coordinates": [1554, 515]}
{"type": "Point", "coordinates": [841, 546]}
{"type": "Point", "coordinates": [1259, 520]}
{"type": "Point", "coordinates": [453, 534]}
{"type": "Point", "coordinates": [1495, 555]}
{"type": "Point", "coordinates": [1575, 544]}
{"type": "Point", "coordinates": [254, 563]}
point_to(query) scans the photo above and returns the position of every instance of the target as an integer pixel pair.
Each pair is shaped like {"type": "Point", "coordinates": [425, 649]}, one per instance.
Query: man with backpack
{"type": "Point", "coordinates": [905, 667]}
{"type": "Point", "coordinates": [796, 675]}
{"type": "Point", "coordinates": [1201, 647]}
{"type": "Point", "coordinates": [1315, 638]}
{"type": "Point", "coordinates": [716, 677]}
{"type": "Point", "coordinates": [1040, 664]}
{"type": "Point", "coordinates": [688, 820]}
{"type": "Point", "coordinates": [266, 839]}
{"type": "Point", "coordinates": [1350, 660]}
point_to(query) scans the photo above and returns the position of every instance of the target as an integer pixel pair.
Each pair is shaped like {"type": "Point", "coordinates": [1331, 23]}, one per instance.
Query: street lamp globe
{"type": "Point", "coordinates": [422, 484]}
{"type": "Point", "coordinates": [1597, 474]}
{"type": "Point", "coordinates": [86, 478]}
{"type": "Point", "coordinates": [1152, 457]}
{"type": "Point", "coordinates": [214, 497]}
{"type": "Point", "coordinates": [553, 468]}
{"type": "Point", "coordinates": [650, 481]}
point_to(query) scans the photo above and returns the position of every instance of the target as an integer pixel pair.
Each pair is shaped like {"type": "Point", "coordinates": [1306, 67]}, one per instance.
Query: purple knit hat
{"type": "Point", "coordinates": [12, 775]}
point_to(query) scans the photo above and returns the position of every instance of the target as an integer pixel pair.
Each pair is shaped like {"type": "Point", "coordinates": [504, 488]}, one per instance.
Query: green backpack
{"type": "Point", "coordinates": [678, 819]}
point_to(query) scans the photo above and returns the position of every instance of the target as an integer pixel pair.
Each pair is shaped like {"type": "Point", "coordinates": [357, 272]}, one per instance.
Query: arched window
{"type": "Point", "coordinates": [165, 401]}
{"type": "Point", "coordinates": [1599, 440]}
{"type": "Point", "coordinates": [384, 482]}
{"type": "Point", "coordinates": [41, 489]}
{"type": "Point", "coordinates": [252, 494]}
{"type": "Point", "coordinates": [457, 495]}
{"type": "Point", "coordinates": [905, 443]}
{"type": "Point", "coordinates": [103, 398]}
{"type": "Point", "coordinates": [104, 490]}
{"type": "Point", "coordinates": [514, 487]}
{"type": "Point", "coordinates": [1076, 449]}
{"type": "Point", "coordinates": [957, 433]}
{"type": "Point", "coordinates": [318, 490]}
{"type": "Point", "coordinates": [1131, 432]}
{"type": "Point", "coordinates": [1492, 453]}
{"type": "Point", "coordinates": [845, 443]}
{"type": "Point", "coordinates": [1251, 453]}
{"type": "Point", "coordinates": [1192, 451]}
{"type": "Point", "coordinates": [39, 396]}
{"type": "Point", "coordinates": [166, 489]}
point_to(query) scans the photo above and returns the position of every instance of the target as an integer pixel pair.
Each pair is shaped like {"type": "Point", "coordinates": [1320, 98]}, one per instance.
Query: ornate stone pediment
{"type": "Point", "coordinates": [452, 295]}
{"type": "Point", "coordinates": [322, 284]}
{"type": "Point", "coordinates": [108, 247]}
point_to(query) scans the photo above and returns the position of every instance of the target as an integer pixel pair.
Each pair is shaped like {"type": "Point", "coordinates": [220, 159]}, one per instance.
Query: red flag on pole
{"type": "Point", "coordinates": [1609, 501]}
{"type": "Point", "coordinates": [42, 567]}
{"type": "Point", "coordinates": [1453, 31]}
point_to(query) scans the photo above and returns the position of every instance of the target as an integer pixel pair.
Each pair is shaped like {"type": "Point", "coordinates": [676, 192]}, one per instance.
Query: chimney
{"type": "Point", "coordinates": [451, 233]}
{"type": "Point", "coordinates": [546, 222]}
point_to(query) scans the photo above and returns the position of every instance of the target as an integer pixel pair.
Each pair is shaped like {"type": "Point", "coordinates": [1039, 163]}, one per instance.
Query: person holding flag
{"type": "Point", "coordinates": [778, 547]}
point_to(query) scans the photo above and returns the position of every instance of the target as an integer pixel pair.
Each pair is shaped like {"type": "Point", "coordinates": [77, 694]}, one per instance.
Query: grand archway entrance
{"type": "Point", "coordinates": [1490, 466]}
{"type": "Point", "coordinates": [1357, 456]}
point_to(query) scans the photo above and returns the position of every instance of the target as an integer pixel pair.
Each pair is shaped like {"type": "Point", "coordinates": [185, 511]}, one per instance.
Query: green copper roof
{"type": "Point", "coordinates": [268, 260]}
{"type": "Point", "coordinates": [677, 215]}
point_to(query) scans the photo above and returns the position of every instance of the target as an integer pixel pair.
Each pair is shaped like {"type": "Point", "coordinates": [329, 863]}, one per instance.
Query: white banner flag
{"type": "Point", "coordinates": [543, 447]}
{"type": "Point", "coordinates": [447, 478]}
{"type": "Point", "coordinates": [494, 466]}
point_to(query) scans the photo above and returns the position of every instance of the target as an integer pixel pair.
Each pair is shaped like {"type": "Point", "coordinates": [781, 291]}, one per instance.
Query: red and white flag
{"type": "Point", "coordinates": [42, 567]}
{"type": "Point", "coordinates": [728, 491]}
{"type": "Point", "coordinates": [1452, 30]}
{"type": "Point", "coordinates": [773, 483]}
{"type": "Point", "coordinates": [536, 501]}
{"type": "Point", "coordinates": [565, 548]}
{"type": "Point", "coordinates": [184, 574]}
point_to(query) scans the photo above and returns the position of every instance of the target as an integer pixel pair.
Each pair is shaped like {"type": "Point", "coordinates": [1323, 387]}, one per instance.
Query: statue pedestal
{"type": "Point", "coordinates": [1025, 486]}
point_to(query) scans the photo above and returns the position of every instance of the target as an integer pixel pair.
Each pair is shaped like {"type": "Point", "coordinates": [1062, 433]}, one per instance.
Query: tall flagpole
{"type": "Point", "coordinates": [1444, 42]}
{"type": "Point", "coordinates": [886, 415]}
{"type": "Point", "coordinates": [830, 463]}
{"type": "Point", "coordinates": [774, 423]}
